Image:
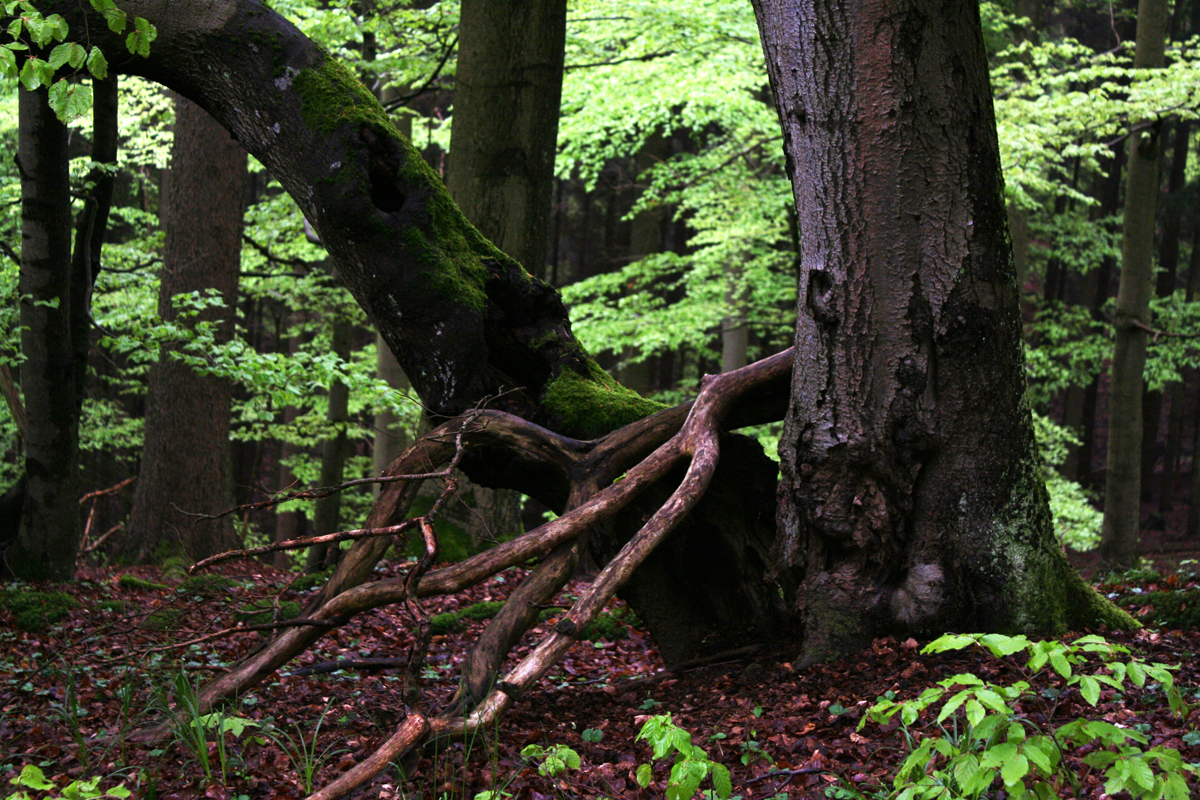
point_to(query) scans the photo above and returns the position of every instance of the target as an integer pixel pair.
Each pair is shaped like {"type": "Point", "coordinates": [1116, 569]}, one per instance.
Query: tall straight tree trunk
{"type": "Point", "coordinates": [49, 532]}
{"type": "Point", "coordinates": [390, 437]}
{"type": "Point", "coordinates": [506, 107]}
{"type": "Point", "coordinates": [186, 465]}
{"type": "Point", "coordinates": [908, 504]}
{"type": "Point", "coordinates": [1120, 543]}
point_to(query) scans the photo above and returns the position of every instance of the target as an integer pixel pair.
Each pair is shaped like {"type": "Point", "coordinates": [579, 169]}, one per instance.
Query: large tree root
{"type": "Point", "coordinates": [587, 472]}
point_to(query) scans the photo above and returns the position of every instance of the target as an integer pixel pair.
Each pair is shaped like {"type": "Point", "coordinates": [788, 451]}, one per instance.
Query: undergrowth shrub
{"type": "Point", "coordinates": [986, 734]}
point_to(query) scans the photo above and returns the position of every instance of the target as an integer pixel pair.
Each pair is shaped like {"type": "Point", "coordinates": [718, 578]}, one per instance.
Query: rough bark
{"type": "Point", "coordinates": [185, 467]}
{"type": "Point", "coordinates": [508, 85]}
{"type": "Point", "coordinates": [909, 503]}
{"type": "Point", "coordinates": [1120, 543]}
{"type": "Point", "coordinates": [49, 532]}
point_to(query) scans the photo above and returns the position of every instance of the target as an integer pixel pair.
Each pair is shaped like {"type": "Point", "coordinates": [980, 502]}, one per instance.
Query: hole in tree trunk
{"type": "Point", "coordinates": [384, 193]}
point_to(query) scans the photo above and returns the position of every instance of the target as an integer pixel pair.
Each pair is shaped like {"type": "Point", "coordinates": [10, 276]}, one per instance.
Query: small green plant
{"type": "Point", "coordinates": [37, 611]}
{"type": "Point", "coordinates": [196, 731]}
{"type": "Point", "coordinates": [691, 762]}
{"type": "Point", "coordinates": [592, 735]}
{"type": "Point", "coordinates": [752, 750]}
{"type": "Point", "coordinates": [980, 738]}
{"type": "Point", "coordinates": [649, 703]}
{"type": "Point", "coordinates": [553, 760]}
{"type": "Point", "coordinates": [71, 713]}
{"type": "Point", "coordinates": [303, 753]}
{"type": "Point", "coordinates": [32, 777]}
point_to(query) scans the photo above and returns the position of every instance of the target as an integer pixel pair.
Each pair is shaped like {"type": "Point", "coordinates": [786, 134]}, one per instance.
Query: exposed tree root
{"type": "Point", "coordinates": [640, 455]}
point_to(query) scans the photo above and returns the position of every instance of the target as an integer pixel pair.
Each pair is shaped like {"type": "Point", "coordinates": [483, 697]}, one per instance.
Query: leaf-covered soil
{"type": "Point", "coordinates": [71, 694]}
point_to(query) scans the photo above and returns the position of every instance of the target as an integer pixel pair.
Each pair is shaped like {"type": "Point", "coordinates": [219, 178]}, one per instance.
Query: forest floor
{"type": "Point", "coordinates": [71, 694]}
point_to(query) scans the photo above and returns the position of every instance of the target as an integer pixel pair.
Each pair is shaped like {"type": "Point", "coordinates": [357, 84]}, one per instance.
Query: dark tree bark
{"type": "Point", "coordinates": [909, 503]}
{"type": "Point", "coordinates": [186, 466]}
{"type": "Point", "coordinates": [49, 533]}
{"type": "Point", "coordinates": [1120, 542]}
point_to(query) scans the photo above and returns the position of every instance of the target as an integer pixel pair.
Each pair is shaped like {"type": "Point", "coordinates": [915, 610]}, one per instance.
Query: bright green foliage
{"type": "Point", "coordinates": [691, 764]}
{"type": "Point", "coordinates": [985, 733]}
{"type": "Point", "coordinates": [729, 184]}
{"type": "Point", "coordinates": [33, 778]}
{"type": "Point", "coordinates": [553, 760]}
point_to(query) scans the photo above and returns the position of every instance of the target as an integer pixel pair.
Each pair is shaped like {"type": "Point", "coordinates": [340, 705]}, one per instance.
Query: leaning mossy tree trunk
{"type": "Point", "coordinates": [912, 501]}
{"type": "Point", "coordinates": [468, 324]}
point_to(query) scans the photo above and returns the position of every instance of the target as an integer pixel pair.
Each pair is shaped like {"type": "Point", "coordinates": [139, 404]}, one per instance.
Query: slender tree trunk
{"type": "Point", "coordinates": [186, 465]}
{"type": "Point", "coordinates": [49, 533]}
{"type": "Point", "coordinates": [92, 224]}
{"type": "Point", "coordinates": [390, 437]}
{"type": "Point", "coordinates": [334, 450]}
{"type": "Point", "coordinates": [1168, 259]}
{"type": "Point", "coordinates": [1119, 539]}
{"type": "Point", "coordinates": [288, 524]}
{"type": "Point", "coordinates": [1110, 197]}
{"type": "Point", "coordinates": [909, 506]}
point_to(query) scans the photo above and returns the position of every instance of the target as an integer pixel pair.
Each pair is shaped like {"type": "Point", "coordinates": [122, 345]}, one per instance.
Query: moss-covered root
{"type": "Point", "coordinates": [1087, 608]}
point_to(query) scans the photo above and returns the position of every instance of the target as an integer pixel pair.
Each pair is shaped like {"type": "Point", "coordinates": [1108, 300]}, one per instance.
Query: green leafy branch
{"type": "Point", "coordinates": [29, 29]}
